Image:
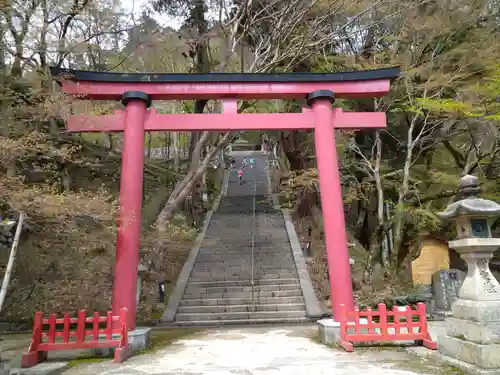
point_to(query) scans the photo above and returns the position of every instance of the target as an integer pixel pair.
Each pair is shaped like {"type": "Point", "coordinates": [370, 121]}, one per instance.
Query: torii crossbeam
{"type": "Point", "coordinates": [136, 91]}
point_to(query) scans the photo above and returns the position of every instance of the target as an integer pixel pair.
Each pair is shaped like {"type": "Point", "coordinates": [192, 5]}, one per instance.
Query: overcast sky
{"type": "Point", "coordinates": [138, 6]}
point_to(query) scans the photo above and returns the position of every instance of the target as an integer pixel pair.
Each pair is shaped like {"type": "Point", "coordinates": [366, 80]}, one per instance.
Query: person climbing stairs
{"type": "Point", "coordinates": [245, 270]}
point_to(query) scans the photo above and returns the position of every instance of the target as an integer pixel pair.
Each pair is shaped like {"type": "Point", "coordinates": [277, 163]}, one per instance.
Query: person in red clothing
{"type": "Point", "coordinates": [240, 175]}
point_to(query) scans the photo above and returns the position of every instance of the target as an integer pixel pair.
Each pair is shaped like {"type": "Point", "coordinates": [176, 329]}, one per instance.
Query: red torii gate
{"type": "Point", "coordinates": [136, 91]}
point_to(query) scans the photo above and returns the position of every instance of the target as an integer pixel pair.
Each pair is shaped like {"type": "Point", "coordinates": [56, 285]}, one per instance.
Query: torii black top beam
{"type": "Point", "coordinates": [90, 76]}
{"type": "Point", "coordinates": [243, 86]}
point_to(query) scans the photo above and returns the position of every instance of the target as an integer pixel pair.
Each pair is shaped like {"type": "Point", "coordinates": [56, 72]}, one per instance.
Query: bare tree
{"type": "Point", "coordinates": [276, 34]}
{"type": "Point", "coordinates": [43, 32]}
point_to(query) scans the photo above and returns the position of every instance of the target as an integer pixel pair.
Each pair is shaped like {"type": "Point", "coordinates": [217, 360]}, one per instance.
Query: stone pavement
{"type": "Point", "coordinates": [269, 350]}
{"type": "Point", "coordinates": [287, 350]}
{"type": "Point", "coordinates": [12, 346]}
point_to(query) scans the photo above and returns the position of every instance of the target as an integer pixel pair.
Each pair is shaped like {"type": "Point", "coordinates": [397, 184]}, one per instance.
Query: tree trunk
{"type": "Point", "coordinates": [176, 151]}
{"type": "Point", "coordinates": [66, 179]}
{"type": "Point", "coordinates": [4, 130]}
{"type": "Point", "coordinates": [192, 177]}
{"type": "Point", "coordinates": [181, 191]}
{"type": "Point", "coordinates": [384, 256]}
{"type": "Point", "coordinates": [149, 144]}
{"type": "Point", "coordinates": [360, 220]}
{"type": "Point", "coordinates": [400, 214]}
{"type": "Point", "coordinates": [110, 141]}
{"type": "Point", "coordinates": [295, 159]}
{"type": "Point", "coordinates": [373, 250]}
{"type": "Point", "coordinates": [290, 144]}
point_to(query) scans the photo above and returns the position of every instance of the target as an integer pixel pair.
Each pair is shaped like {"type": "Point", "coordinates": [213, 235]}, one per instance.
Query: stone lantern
{"type": "Point", "coordinates": [472, 340]}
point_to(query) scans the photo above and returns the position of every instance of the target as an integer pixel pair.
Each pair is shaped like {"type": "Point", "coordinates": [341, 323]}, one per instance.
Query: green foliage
{"type": "Point", "coordinates": [423, 221]}
{"type": "Point", "coordinates": [165, 337]}
{"type": "Point", "coordinates": [85, 360]}
{"type": "Point", "coordinates": [445, 106]}
{"type": "Point", "coordinates": [482, 100]}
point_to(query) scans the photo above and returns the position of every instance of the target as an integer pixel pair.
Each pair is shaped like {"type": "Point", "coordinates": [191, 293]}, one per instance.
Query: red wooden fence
{"type": "Point", "coordinates": [400, 324]}
{"type": "Point", "coordinates": [65, 338]}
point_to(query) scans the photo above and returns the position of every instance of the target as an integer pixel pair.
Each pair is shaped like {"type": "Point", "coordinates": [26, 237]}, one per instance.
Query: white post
{"type": "Point", "coordinates": [12, 258]}
{"type": "Point", "coordinates": [140, 270]}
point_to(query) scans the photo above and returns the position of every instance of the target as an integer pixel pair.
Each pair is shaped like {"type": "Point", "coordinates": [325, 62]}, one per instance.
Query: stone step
{"type": "Point", "coordinates": [240, 301]}
{"type": "Point", "coordinates": [233, 224]}
{"type": "Point", "coordinates": [241, 315]}
{"type": "Point", "coordinates": [264, 225]}
{"type": "Point", "coordinates": [237, 322]}
{"type": "Point", "coordinates": [275, 268]}
{"type": "Point", "coordinates": [225, 283]}
{"type": "Point", "coordinates": [242, 271]}
{"type": "Point", "coordinates": [278, 268]}
{"type": "Point", "coordinates": [240, 308]}
{"type": "Point", "coordinates": [226, 248]}
{"type": "Point", "coordinates": [260, 265]}
{"type": "Point", "coordinates": [243, 258]}
{"type": "Point", "coordinates": [233, 257]}
{"type": "Point", "coordinates": [263, 294]}
{"type": "Point", "coordinates": [263, 233]}
{"type": "Point", "coordinates": [237, 243]}
{"type": "Point", "coordinates": [243, 262]}
{"type": "Point", "coordinates": [245, 249]}
{"type": "Point", "coordinates": [282, 249]}
{"type": "Point", "coordinates": [237, 249]}
{"type": "Point", "coordinates": [234, 276]}
{"type": "Point", "coordinates": [245, 276]}
{"type": "Point", "coordinates": [237, 237]}
{"type": "Point", "coordinates": [248, 288]}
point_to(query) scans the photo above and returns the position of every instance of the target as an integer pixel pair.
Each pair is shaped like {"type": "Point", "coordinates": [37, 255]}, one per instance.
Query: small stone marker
{"type": "Point", "coordinates": [445, 287]}
{"type": "Point", "coordinates": [161, 291]}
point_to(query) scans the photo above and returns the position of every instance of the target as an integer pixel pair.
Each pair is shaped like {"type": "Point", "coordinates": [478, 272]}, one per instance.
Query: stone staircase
{"type": "Point", "coordinates": [219, 288]}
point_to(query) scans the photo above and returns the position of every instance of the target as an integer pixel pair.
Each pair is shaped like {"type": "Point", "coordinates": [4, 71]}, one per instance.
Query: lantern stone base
{"type": "Point", "coordinates": [483, 359]}
{"type": "Point", "coordinates": [138, 339]}
{"type": "Point", "coordinates": [4, 368]}
{"type": "Point", "coordinates": [467, 368]}
{"type": "Point", "coordinates": [328, 331]}
{"type": "Point", "coordinates": [440, 314]}
{"type": "Point", "coordinates": [473, 336]}
{"type": "Point", "coordinates": [477, 311]}
{"type": "Point", "coordinates": [484, 334]}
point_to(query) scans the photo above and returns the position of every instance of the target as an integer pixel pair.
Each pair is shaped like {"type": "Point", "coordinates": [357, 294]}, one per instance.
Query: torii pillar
{"type": "Point", "coordinates": [129, 219]}
{"type": "Point", "coordinates": [332, 204]}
